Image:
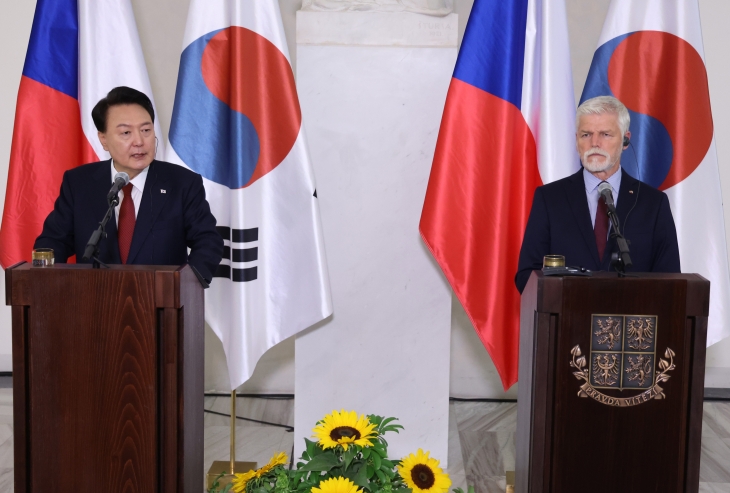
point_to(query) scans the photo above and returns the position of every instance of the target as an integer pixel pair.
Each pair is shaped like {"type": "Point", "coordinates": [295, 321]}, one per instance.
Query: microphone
{"type": "Point", "coordinates": [120, 181]}
{"type": "Point", "coordinates": [620, 260]}
{"type": "Point", "coordinates": [605, 190]}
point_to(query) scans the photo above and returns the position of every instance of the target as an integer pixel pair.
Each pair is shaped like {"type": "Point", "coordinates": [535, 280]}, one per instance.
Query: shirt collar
{"type": "Point", "coordinates": [138, 181]}
{"type": "Point", "coordinates": [592, 182]}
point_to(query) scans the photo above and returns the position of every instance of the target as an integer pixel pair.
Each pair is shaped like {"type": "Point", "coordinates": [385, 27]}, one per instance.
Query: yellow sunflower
{"type": "Point", "coordinates": [240, 480]}
{"type": "Point", "coordinates": [336, 485]}
{"type": "Point", "coordinates": [277, 460]}
{"type": "Point", "coordinates": [343, 428]}
{"type": "Point", "coordinates": [423, 474]}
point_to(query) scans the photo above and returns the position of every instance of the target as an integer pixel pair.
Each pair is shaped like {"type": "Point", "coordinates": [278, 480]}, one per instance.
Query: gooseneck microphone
{"type": "Point", "coordinates": [604, 189]}
{"type": "Point", "coordinates": [620, 260]}
{"type": "Point", "coordinates": [92, 247]}
{"type": "Point", "coordinates": [120, 181]}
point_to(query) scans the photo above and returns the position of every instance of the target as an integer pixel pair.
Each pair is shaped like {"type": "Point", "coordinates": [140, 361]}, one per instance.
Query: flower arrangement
{"type": "Point", "coordinates": [350, 455]}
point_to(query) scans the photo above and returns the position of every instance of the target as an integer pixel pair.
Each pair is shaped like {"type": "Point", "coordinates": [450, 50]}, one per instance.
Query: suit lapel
{"type": "Point", "coordinates": [152, 202]}
{"type": "Point", "coordinates": [576, 195]}
{"type": "Point", "coordinates": [103, 182]}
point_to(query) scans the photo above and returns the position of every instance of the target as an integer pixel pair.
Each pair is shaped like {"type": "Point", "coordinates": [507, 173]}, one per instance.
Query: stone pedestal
{"type": "Point", "coordinates": [372, 88]}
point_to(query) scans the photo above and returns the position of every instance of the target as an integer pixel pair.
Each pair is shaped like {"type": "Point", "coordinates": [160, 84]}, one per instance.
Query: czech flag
{"type": "Point", "coordinates": [507, 128]}
{"type": "Point", "coordinates": [650, 56]}
{"type": "Point", "coordinates": [238, 123]}
{"type": "Point", "coordinates": [78, 51]}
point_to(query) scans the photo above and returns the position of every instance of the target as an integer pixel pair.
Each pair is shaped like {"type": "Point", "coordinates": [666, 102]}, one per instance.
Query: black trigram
{"type": "Point", "coordinates": [238, 237]}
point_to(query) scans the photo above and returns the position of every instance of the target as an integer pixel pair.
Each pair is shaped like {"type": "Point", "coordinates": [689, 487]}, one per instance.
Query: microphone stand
{"type": "Point", "coordinates": [92, 247]}
{"type": "Point", "coordinates": [620, 260]}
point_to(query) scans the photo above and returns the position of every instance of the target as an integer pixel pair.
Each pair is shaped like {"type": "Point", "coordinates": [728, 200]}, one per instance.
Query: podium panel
{"type": "Point", "coordinates": [108, 378]}
{"type": "Point", "coordinates": [611, 383]}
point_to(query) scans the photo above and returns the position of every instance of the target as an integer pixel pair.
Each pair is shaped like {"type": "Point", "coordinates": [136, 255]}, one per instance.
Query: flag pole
{"type": "Point", "coordinates": [223, 472]}
{"type": "Point", "coordinates": [233, 432]}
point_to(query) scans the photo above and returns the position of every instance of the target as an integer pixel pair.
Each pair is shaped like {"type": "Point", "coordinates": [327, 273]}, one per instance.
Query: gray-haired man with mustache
{"type": "Point", "coordinates": [569, 218]}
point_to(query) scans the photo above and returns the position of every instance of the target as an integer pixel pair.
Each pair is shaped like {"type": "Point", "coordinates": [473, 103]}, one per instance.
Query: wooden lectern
{"type": "Point", "coordinates": [107, 378]}
{"type": "Point", "coordinates": [611, 383]}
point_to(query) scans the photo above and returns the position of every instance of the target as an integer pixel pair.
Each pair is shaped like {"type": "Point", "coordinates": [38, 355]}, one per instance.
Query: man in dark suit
{"type": "Point", "coordinates": [569, 218]}
{"type": "Point", "coordinates": [162, 211]}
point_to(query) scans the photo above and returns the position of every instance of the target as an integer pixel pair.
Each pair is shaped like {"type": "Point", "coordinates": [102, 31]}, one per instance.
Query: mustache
{"type": "Point", "coordinates": [600, 152]}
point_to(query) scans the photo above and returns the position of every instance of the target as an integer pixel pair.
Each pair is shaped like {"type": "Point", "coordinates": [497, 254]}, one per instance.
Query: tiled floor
{"type": "Point", "coordinates": [481, 440]}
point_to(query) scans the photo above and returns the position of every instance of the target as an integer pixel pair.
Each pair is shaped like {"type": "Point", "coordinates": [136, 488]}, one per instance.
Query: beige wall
{"type": "Point", "coordinates": [161, 24]}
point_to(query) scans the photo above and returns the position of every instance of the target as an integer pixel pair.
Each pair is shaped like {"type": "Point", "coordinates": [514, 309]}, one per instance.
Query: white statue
{"type": "Point", "coordinates": [430, 7]}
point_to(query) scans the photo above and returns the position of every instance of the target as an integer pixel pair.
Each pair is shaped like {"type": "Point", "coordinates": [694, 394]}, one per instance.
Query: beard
{"type": "Point", "coordinates": [598, 167]}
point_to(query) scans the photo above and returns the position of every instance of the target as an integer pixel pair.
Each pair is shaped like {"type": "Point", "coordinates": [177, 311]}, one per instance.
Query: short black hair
{"type": "Point", "coordinates": [119, 96]}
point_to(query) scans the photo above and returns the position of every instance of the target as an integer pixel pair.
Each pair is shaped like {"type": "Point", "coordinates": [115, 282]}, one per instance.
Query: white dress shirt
{"type": "Point", "coordinates": [591, 183]}
{"type": "Point", "coordinates": [137, 190]}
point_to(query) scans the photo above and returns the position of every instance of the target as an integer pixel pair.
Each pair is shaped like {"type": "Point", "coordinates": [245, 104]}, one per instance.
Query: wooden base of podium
{"type": "Point", "coordinates": [224, 466]}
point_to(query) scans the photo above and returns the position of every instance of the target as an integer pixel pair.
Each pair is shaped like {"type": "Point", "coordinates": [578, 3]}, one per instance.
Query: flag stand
{"type": "Point", "coordinates": [228, 468]}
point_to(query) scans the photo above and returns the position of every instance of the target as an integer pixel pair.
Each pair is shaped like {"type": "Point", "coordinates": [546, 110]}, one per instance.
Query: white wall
{"type": "Point", "coordinates": [161, 24]}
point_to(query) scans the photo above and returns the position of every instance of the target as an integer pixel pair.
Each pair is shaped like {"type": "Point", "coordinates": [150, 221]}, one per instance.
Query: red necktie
{"type": "Point", "coordinates": [125, 226]}
{"type": "Point", "coordinates": [600, 229]}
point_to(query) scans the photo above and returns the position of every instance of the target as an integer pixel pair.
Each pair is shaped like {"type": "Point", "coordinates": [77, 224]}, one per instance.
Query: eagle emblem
{"type": "Point", "coordinates": [605, 369]}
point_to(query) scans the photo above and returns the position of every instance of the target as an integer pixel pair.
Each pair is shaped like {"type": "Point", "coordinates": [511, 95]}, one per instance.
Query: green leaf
{"type": "Point", "coordinates": [313, 449]}
{"type": "Point", "coordinates": [349, 455]}
{"type": "Point", "coordinates": [350, 474]}
{"type": "Point", "coordinates": [376, 461]}
{"type": "Point", "coordinates": [370, 471]}
{"type": "Point", "coordinates": [361, 478]}
{"type": "Point", "coordinates": [322, 462]}
{"type": "Point", "coordinates": [387, 463]}
{"type": "Point", "coordinates": [375, 419]}
{"type": "Point", "coordinates": [380, 476]}
{"type": "Point", "coordinates": [382, 453]}
{"type": "Point", "coordinates": [366, 453]}
{"type": "Point", "coordinates": [387, 420]}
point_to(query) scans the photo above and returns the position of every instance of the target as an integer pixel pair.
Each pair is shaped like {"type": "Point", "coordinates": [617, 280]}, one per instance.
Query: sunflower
{"type": "Point", "coordinates": [240, 480]}
{"type": "Point", "coordinates": [336, 485]}
{"type": "Point", "coordinates": [423, 474]}
{"type": "Point", "coordinates": [343, 428]}
{"type": "Point", "coordinates": [277, 460]}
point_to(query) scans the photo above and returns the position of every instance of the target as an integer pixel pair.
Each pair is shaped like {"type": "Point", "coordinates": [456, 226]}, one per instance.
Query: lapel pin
{"type": "Point", "coordinates": [162, 190]}
{"type": "Point", "coordinates": [631, 191]}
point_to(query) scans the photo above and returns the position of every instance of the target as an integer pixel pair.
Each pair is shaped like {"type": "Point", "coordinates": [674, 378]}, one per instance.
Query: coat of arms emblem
{"type": "Point", "coordinates": [622, 357]}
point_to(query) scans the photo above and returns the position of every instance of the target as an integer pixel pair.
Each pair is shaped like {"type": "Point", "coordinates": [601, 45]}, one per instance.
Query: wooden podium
{"type": "Point", "coordinates": [611, 383]}
{"type": "Point", "coordinates": [107, 378]}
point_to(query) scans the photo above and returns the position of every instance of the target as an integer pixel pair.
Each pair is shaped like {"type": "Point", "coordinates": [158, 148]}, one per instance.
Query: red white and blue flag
{"type": "Point", "coordinates": [508, 127]}
{"type": "Point", "coordinates": [78, 51]}
{"type": "Point", "coordinates": [650, 56]}
{"type": "Point", "coordinates": [238, 123]}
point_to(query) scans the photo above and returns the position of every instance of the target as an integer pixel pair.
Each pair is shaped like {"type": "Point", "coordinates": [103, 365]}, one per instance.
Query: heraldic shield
{"type": "Point", "coordinates": [623, 351]}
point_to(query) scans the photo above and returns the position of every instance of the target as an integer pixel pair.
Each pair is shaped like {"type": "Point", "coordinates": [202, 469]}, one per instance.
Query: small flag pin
{"type": "Point", "coordinates": [162, 190]}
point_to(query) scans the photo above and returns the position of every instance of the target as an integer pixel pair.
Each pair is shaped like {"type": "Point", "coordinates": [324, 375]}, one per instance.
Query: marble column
{"type": "Point", "coordinates": [372, 88]}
